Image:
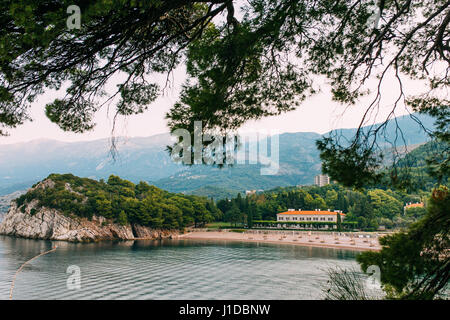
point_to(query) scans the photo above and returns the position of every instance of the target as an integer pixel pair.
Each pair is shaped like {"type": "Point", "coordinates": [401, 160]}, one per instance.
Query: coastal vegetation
{"type": "Point", "coordinates": [421, 168]}
{"type": "Point", "coordinates": [413, 263]}
{"type": "Point", "coordinates": [125, 202]}
{"type": "Point", "coordinates": [121, 201]}
{"type": "Point", "coordinates": [365, 209]}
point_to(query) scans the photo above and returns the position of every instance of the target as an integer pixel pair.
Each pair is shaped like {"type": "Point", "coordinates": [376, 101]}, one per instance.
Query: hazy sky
{"type": "Point", "coordinates": [317, 114]}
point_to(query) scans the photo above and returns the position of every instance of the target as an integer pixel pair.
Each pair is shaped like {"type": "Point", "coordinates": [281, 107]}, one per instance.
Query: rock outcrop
{"type": "Point", "coordinates": [33, 222]}
{"type": "Point", "coordinates": [141, 232]}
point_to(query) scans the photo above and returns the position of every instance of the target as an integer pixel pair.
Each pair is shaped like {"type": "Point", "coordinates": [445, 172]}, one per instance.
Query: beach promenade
{"type": "Point", "coordinates": [340, 240]}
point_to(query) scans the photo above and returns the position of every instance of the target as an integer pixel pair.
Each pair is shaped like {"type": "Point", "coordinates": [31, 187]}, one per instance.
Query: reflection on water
{"type": "Point", "coordinates": [168, 269]}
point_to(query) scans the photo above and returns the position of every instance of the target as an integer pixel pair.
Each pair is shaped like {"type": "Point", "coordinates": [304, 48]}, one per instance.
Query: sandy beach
{"type": "Point", "coordinates": [304, 238]}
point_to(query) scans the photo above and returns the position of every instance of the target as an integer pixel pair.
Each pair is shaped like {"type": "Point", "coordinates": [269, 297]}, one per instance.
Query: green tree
{"type": "Point", "coordinates": [201, 215]}
{"type": "Point", "coordinates": [416, 212]}
{"type": "Point", "coordinates": [234, 215]}
{"type": "Point", "coordinates": [224, 205]}
{"type": "Point", "coordinates": [122, 218]}
{"type": "Point", "coordinates": [331, 199]}
{"type": "Point", "coordinates": [384, 204]}
{"type": "Point", "coordinates": [342, 202]}
{"type": "Point", "coordinates": [319, 203]}
{"type": "Point", "coordinates": [251, 214]}
{"type": "Point", "coordinates": [141, 189]}
{"type": "Point", "coordinates": [309, 202]}
{"type": "Point", "coordinates": [414, 263]}
{"type": "Point", "coordinates": [263, 59]}
{"type": "Point", "coordinates": [214, 210]}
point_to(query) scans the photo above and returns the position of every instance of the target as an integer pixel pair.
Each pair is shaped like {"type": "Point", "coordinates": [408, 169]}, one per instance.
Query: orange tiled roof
{"type": "Point", "coordinates": [414, 205]}
{"type": "Point", "coordinates": [305, 212]}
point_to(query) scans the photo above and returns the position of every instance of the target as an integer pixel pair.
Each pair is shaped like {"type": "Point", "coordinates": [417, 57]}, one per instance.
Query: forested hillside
{"type": "Point", "coordinates": [370, 208]}
{"type": "Point", "coordinates": [125, 202]}
{"type": "Point", "coordinates": [419, 163]}
{"type": "Point", "coordinates": [121, 201]}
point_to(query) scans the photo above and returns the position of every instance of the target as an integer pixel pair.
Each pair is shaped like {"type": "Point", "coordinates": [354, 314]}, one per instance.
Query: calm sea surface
{"type": "Point", "coordinates": [168, 269]}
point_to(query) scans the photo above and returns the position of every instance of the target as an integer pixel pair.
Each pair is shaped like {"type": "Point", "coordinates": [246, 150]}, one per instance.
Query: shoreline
{"type": "Point", "coordinates": [314, 240]}
{"type": "Point", "coordinates": [321, 241]}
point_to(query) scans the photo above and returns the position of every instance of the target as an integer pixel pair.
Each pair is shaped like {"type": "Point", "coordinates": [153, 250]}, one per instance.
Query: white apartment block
{"type": "Point", "coordinates": [321, 180]}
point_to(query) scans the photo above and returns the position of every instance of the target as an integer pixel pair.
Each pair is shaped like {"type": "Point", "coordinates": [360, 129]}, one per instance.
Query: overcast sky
{"type": "Point", "coordinates": [318, 114]}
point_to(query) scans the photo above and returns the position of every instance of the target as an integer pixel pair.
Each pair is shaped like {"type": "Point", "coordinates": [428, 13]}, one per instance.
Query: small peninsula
{"type": "Point", "coordinates": [69, 208]}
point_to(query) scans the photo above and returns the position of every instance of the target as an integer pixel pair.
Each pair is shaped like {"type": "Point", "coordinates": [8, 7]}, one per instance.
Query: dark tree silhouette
{"type": "Point", "coordinates": [260, 62]}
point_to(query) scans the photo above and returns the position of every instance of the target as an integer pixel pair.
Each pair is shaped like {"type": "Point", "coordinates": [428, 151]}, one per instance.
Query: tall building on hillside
{"type": "Point", "coordinates": [321, 180]}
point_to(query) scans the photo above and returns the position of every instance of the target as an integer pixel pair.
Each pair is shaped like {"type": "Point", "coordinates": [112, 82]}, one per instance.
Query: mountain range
{"type": "Point", "coordinates": [146, 159]}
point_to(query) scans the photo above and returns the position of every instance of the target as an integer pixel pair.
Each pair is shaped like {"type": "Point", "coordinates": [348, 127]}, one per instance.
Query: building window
{"type": "Point", "coordinates": [330, 219]}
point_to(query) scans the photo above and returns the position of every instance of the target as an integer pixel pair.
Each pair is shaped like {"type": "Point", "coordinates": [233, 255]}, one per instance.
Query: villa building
{"type": "Point", "coordinates": [304, 215]}
{"type": "Point", "coordinates": [414, 205]}
{"type": "Point", "coordinates": [326, 217]}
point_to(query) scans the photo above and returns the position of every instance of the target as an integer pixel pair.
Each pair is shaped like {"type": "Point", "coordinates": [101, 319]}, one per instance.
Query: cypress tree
{"type": "Point", "coordinates": [338, 221]}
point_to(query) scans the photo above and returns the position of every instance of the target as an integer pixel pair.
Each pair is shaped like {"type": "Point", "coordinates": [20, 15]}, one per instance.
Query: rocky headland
{"type": "Point", "coordinates": [35, 222]}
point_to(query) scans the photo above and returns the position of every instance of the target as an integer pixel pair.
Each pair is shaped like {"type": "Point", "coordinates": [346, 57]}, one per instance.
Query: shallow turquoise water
{"type": "Point", "coordinates": [168, 269]}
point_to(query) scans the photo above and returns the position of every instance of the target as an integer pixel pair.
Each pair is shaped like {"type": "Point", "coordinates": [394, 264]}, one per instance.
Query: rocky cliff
{"type": "Point", "coordinates": [44, 223]}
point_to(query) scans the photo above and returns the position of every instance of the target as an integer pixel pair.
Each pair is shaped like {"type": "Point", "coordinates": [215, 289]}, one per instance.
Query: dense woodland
{"type": "Point", "coordinates": [123, 202]}
{"type": "Point", "coordinates": [419, 169]}
{"type": "Point", "coordinates": [370, 208]}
